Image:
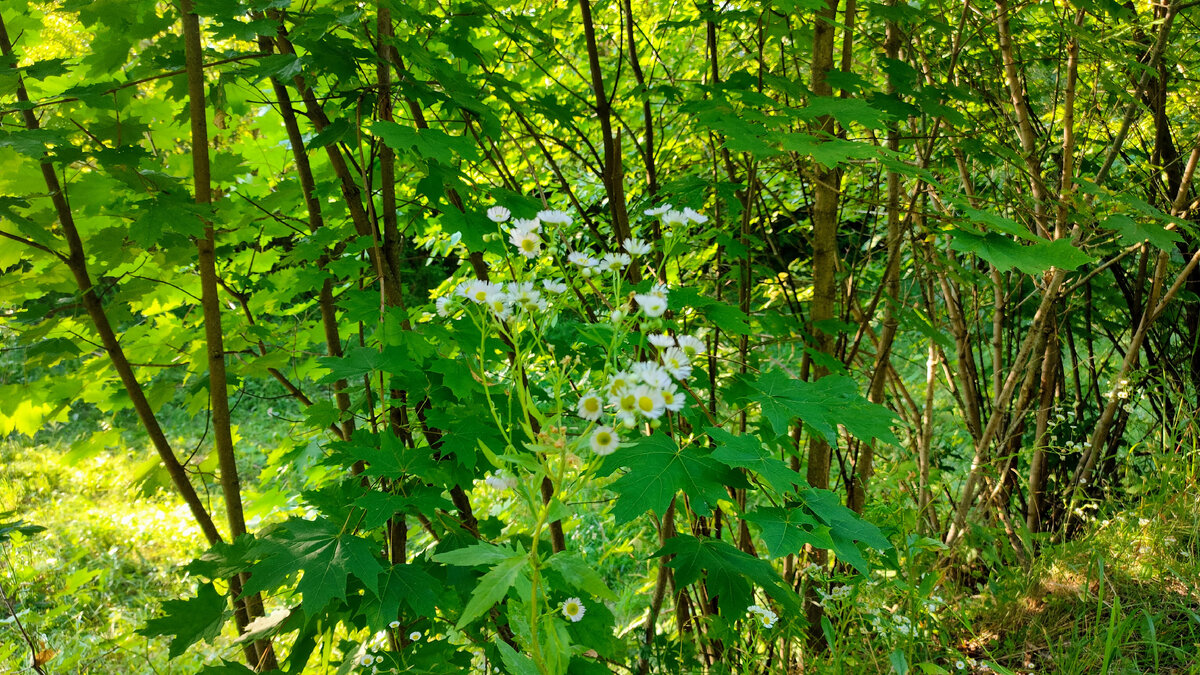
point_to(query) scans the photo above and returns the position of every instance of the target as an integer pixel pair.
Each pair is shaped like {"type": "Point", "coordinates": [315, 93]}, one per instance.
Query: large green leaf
{"type": "Point", "coordinates": [787, 530]}
{"type": "Point", "coordinates": [658, 469]}
{"type": "Point", "coordinates": [1032, 258]}
{"type": "Point", "coordinates": [493, 586]}
{"type": "Point", "coordinates": [322, 552]}
{"type": "Point", "coordinates": [749, 452]}
{"type": "Point", "coordinates": [190, 621]}
{"type": "Point", "coordinates": [822, 405]}
{"type": "Point", "coordinates": [729, 573]}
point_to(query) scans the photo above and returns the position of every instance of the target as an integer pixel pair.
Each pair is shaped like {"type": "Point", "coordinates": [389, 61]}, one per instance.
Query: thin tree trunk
{"type": "Point", "coordinates": [259, 653]}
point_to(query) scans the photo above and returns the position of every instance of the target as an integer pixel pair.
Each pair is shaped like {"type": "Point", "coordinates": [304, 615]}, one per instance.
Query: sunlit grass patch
{"type": "Point", "coordinates": [109, 555]}
{"type": "Point", "coordinates": [1122, 598]}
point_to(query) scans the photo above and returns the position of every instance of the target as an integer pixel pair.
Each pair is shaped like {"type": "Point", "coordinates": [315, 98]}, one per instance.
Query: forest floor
{"type": "Point", "coordinates": [1123, 597]}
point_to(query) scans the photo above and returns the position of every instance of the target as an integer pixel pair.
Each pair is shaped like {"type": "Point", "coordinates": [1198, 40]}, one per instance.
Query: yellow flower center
{"type": "Point", "coordinates": [645, 403]}
{"type": "Point", "coordinates": [591, 405]}
{"type": "Point", "coordinates": [602, 438]}
{"type": "Point", "coordinates": [629, 402]}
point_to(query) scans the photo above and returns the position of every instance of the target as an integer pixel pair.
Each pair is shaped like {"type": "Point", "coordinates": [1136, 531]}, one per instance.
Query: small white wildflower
{"type": "Point", "coordinates": [690, 345]}
{"type": "Point", "coordinates": [659, 291]}
{"type": "Point", "coordinates": [553, 216]}
{"type": "Point", "coordinates": [652, 305]}
{"type": "Point", "coordinates": [528, 224]}
{"type": "Point", "coordinates": [554, 286]}
{"type": "Point", "coordinates": [635, 247]}
{"type": "Point", "coordinates": [366, 660]}
{"type": "Point", "coordinates": [674, 218]}
{"type": "Point", "coordinates": [573, 609]}
{"type": "Point", "coordinates": [676, 361]}
{"type": "Point", "coordinates": [765, 616]}
{"type": "Point", "coordinates": [527, 242]}
{"type": "Point", "coordinates": [498, 214]}
{"type": "Point", "coordinates": [497, 301]}
{"type": "Point", "coordinates": [626, 404]}
{"type": "Point", "coordinates": [652, 374]}
{"type": "Point", "coordinates": [694, 216]}
{"type": "Point", "coordinates": [673, 399]}
{"type": "Point", "coordinates": [604, 441]}
{"type": "Point", "coordinates": [658, 210]}
{"type": "Point", "coordinates": [614, 262]}
{"type": "Point", "coordinates": [478, 291]}
{"type": "Point", "coordinates": [649, 400]}
{"type": "Point", "coordinates": [582, 259]}
{"type": "Point", "coordinates": [443, 304]}
{"type": "Point", "coordinates": [414, 636]}
{"type": "Point", "coordinates": [661, 340]}
{"type": "Point", "coordinates": [394, 624]}
{"type": "Point", "coordinates": [591, 406]}
{"type": "Point", "coordinates": [525, 296]}
{"type": "Point", "coordinates": [959, 664]}
{"type": "Point", "coordinates": [620, 381]}
{"type": "Point", "coordinates": [617, 316]}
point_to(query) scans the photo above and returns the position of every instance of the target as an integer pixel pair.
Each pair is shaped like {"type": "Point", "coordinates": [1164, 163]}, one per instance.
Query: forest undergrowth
{"type": "Point", "coordinates": [1121, 596]}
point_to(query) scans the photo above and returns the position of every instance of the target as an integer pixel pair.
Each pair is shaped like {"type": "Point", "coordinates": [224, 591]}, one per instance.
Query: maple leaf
{"type": "Point", "coordinates": [658, 469]}
{"type": "Point", "coordinates": [728, 573]}
{"type": "Point", "coordinates": [189, 621]}
{"type": "Point", "coordinates": [321, 553]}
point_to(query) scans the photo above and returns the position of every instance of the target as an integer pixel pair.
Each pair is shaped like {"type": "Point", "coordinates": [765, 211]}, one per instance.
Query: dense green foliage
{"type": "Point", "coordinates": [581, 337]}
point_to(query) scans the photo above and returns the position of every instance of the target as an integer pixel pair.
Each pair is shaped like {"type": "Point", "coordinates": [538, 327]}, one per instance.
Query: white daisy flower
{"type": "Point", "coordinates": [695, 216]}
{"type": "Point", "coordinates": [442, 305]}
{"type": "Point", "coordinates": [658, 210]}
{"type": "Point", "coordinates": [394, 624]}
{"type": "Point", "coordinates": [673, 399]}
{"type": "Point", "coordinates": [765, 616]}
{"type": "Point", "coordinates": [659, 291]}
{"type": "Point", "coordinates": [525, 296]}
{"type": "Point", "coordinates": [620, 381]}
{"type": "Point", "coordinates": [528, 224]}
{"type": "Point", "coordinates": [554, 286]}
{"type": "Point", "coordinates": [414, 636]}
{"type": "Point", "coordinates": [649, 401]}
{"type": "Point", "coordinates": [676, 361]}
{"type": "Point", "coordinates": [497, 301]}
{"type": "Point", "coordinates": [635, 247]}
{"type": "Point", "coordinates": [692, 346]}
{"type": "Point", "coordinates": [479, 291]}
{"type": "Point", "coordinates": [604, 441]}
{"type": "Point", "coordinates": [661, 340]}
{"type": "Point", "coordinates": [582, 259]}
{"type": "Point", "coordinates": [527, 242]}
{"type": "Point", "coordinates": [591, 406]}
{"type": "Point", "coordinates": [614, 262]}
{"type": "Point", "coordinates": [626, 403]}
{"type": "Point", "coordinates": [652, 305]}
{"type": "Point", "coordinates": [553, 216]}
{"type": "Point", "coordinates": [652, 374]}
{"type": "Point", "coordinates": [674, 218]}
{"type": "Point", "coordinates": [498, 214]}
{"type": "Point", "coordinates": [573, 609]}
{"type": "Point", "coordinates": [959, 664]}
{"type": "Point", "coordinates": [366, 660]}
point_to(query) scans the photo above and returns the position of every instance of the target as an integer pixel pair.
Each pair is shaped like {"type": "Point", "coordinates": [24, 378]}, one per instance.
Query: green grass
{"type": "Point", "coordinates": [110, 553]}
{"type": "Point", "coordinates": [1122, 598]}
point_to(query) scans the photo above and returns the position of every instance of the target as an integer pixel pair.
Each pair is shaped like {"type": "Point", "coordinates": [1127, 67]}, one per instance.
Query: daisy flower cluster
{"type": "Point", "coordinates": [643, 392]}
{"type": "Point", "coordinates": [764, 616]}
